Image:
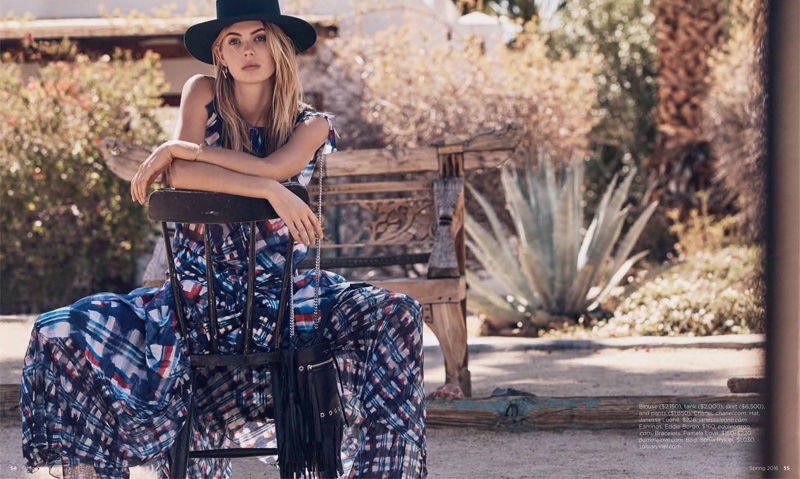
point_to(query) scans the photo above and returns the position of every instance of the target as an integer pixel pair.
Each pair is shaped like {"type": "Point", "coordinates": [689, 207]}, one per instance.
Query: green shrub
{"type": "Point", "coordinates": [708, 294]}
{"type": "Point", "coordinates": [69, 227]}
{"type": "Point", "coordinates": [622, 33]}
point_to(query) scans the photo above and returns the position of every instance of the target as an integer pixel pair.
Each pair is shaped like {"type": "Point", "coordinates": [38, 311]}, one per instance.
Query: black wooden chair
{"type": "Point", "coordinates": [170, 205]}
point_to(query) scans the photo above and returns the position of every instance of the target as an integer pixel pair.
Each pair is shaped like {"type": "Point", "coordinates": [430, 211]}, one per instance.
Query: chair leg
{"type": "Point", "coordinates": [179, 452]}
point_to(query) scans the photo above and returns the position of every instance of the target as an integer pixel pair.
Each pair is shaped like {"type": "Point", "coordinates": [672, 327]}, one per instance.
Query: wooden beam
{"type": "Point", "coordinates": [602, 412]}
{"type": "Point", "coordinates": [746, 385]}
{"type": "Point", "coordinates": [372, 187]}
{"type": "Point", "coordinates": [424, 290]}
{"type": "Point", "coordinates": [405, 160]}
{"type": "Point", "coordinates": [484, 150]}
{"type": "Point", "coordinates": [381, 161]}
{"type": "Point", "coordinates": [507, 138]}
{"type": "Point", "coordinates": [783, 238]}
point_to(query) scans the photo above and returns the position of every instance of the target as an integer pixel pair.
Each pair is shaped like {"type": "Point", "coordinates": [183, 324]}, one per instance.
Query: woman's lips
{"type": "Point", "coordinates": [251, 67]}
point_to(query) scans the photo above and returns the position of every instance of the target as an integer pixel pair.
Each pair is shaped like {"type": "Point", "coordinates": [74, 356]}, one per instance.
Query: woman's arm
{"type": "Point", "coordinates": [199, 175]}
{"type": "Point", "coordinates": [281, 165]}
{"type": "Point", "coordinates": [301, 221]}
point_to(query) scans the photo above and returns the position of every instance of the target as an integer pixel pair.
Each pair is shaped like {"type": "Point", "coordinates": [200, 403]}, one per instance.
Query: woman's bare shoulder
{"type": "Point", "coordinates": [198, 90]}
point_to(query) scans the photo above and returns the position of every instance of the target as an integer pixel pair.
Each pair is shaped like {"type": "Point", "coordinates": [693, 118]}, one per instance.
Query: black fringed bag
{"type": "Point", "coordinates": [309, 413]}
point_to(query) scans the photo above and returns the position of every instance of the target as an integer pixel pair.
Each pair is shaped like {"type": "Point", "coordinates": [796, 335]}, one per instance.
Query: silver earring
{"type": "Point", "coordinates": [224, 71]}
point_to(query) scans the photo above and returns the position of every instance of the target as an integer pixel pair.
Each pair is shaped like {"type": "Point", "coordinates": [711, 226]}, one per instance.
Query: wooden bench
{"type": "Point", "coordinates": [393, 218]}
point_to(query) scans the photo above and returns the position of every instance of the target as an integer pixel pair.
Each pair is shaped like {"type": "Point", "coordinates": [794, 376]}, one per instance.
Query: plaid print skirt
{"type": "Point", "coordinates": [106, 382]}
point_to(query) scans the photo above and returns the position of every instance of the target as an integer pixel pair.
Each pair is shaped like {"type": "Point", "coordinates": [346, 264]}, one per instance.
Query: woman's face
{"type": "Point", "coordinates": [244, 48]}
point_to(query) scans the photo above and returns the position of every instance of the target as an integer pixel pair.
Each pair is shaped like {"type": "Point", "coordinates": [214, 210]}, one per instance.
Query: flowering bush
{"type": "Point", "coordinates": [412, 90]}
{"type": "Point", "coordinates": [68, 225]}
{"type": "Point", "coordinates": [703, 298]}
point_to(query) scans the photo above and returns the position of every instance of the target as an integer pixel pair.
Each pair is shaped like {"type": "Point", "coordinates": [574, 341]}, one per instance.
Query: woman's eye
{"type": "Point", "coordinates": [234, 41]}
{"type": "Point", "coordinates": [261, 38]}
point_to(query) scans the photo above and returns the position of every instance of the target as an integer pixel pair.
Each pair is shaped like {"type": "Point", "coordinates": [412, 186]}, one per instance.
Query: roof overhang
{"type": "Point", "coordinates": [57, 29]}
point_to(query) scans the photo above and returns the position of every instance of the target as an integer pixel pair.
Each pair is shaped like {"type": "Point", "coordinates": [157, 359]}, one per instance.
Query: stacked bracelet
{"type": "Point", "coordinates": [199, 150]}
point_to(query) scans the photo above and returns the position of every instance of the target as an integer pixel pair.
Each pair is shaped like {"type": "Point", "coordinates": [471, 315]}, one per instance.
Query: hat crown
{"type": "Point", "coordinates": [235, 8]}
{"type": "Point", "coordinates": [199, 38]}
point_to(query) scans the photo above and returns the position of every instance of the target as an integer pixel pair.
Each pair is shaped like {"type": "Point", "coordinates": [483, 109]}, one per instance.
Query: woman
{"type": "Point", "coordinates": [106, 382]}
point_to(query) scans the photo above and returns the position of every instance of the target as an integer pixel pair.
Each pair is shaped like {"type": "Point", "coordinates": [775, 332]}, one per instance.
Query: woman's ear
{"type": "Point", "coordinates": [217, 52]}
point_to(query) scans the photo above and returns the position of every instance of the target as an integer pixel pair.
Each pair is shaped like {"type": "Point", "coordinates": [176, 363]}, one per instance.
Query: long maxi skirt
{"type": "Point", "coordinates": [106, 382]}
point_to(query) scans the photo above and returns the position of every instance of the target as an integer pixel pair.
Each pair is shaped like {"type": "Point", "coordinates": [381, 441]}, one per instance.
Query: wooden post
{"type": "Point", "coordinates": [783, 243]}
{"type": "Point", "coordinates": [454, 317]}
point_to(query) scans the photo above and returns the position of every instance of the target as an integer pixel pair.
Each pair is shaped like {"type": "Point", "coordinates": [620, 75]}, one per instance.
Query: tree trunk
{"type": "Point", "coordinates": [687, 31]}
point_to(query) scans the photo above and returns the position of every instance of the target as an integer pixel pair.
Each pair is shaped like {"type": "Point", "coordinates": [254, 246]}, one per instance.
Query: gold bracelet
{"type": "Point", "coordinates": [199, 150]}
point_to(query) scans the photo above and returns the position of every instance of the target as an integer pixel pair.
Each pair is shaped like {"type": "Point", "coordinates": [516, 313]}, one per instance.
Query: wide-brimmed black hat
{"type": "Point", "coordinates": [199, 38]}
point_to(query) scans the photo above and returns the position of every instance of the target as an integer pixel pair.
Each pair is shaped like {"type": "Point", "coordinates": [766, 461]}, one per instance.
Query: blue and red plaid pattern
{"type": "Point", "coordinates": [106, 380]}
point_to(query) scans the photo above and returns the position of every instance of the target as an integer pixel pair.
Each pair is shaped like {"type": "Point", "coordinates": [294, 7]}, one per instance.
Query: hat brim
{"type": "Point", "coordinates": [199, 38]}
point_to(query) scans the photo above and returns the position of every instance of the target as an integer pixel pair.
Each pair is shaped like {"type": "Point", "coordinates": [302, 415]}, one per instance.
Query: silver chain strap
{"type": "Point", "coordinates": [317, 259]}
{"type": "Point", "coordinates": [318, 241]}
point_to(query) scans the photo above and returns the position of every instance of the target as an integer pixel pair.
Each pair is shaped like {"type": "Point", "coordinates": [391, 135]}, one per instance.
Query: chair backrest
{"type": "Point", "coordinates": [189, 206]}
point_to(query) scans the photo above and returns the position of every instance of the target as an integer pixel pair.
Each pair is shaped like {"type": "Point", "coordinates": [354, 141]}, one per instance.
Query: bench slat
{"type": "Point", "coordinates": [427, 290]}
{"type": "Point", "coordinates": [381, 161]}
{"type": "Point", "coordinates": [405, 160]}
{"type": "Point", "coordinates": [367, 262]}
{"type": "Point", "coordinates": [374, 187]}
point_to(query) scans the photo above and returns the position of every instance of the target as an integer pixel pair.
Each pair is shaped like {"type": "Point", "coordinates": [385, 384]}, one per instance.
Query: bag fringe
{"type": "Point", "coordinates": [309, 427]}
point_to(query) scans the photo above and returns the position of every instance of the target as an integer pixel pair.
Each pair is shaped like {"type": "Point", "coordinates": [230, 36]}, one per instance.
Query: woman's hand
{"type": "Point", "coordinates": [299, 218]}
{"type": "Point", "coordinates": [154, 165]}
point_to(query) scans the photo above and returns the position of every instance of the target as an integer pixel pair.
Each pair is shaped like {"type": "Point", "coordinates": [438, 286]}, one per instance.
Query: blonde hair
{"type": "Point", "coordinates": [287, 95]}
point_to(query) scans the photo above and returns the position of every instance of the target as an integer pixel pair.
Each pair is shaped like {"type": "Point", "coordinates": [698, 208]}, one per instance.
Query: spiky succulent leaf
{"type": "Point", "coordinates": [530, 246]}
{"type": "Point", "coordinates": [629, 240]}
{"type": "Point", "coordinates": [616, 277]}
{"type": "Point", "coordinates": [494, 257]}
{"type": "Point", "coordinates": [559, 264]}
{"type": "Point", "coordinates": [484, 300]}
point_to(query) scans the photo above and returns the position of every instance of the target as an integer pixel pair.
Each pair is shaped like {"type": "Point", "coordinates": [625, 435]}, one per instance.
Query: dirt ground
{"type": "Point", "coordinates": [468, 453]}
{"type": "Point", "coordinates": [606, 372]}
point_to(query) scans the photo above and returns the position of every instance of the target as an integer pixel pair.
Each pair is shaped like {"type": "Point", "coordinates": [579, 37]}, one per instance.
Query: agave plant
{"type": "Point", "coordinates": [552, 265]}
